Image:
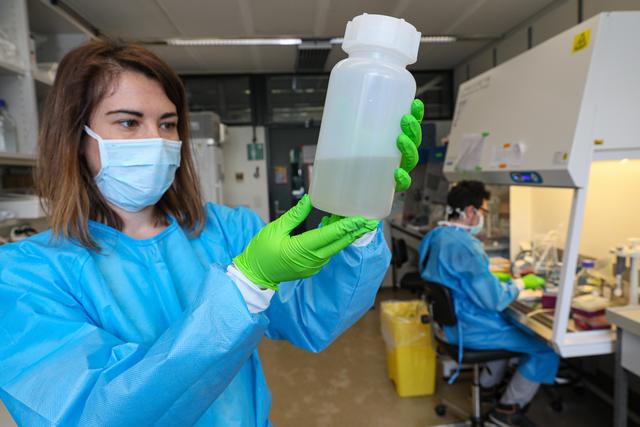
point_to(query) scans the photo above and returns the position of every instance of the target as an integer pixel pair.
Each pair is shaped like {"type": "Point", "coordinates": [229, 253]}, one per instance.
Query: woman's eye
{"type": "Point", "coordinates": [128, 123]}
{"type": "Point", "coordinates": [168, 125]}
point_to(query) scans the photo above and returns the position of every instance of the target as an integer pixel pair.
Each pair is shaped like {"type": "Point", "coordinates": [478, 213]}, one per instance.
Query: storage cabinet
{"type": "Point", "coordinates": [34, 36]}
{"type": "Point", "coordinates": [30, 29]}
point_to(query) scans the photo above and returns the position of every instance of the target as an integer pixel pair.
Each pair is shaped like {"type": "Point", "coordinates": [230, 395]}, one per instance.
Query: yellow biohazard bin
{"type": "Point", "coordinates": [411, 361]}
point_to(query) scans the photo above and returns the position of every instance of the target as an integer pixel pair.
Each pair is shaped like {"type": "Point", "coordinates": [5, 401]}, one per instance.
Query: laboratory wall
{"type": "Point", "coordinates": [554, 19]}
{"type": "Point", "coordinates": [611, 213]}
{"type": "Point", "coordinates": [241, 187]}
{"type": "Point", "coordinates": [512, 46]}
{"type": "Point", "coordinates": [442, 129]}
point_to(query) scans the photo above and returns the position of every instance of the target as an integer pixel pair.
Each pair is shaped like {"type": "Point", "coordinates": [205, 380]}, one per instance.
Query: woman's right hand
{"type": "Point", "coordinates": [273, 255]}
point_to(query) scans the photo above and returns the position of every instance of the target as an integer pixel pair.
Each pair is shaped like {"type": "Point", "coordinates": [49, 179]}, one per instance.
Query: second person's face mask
{"type": "Point", "coordinates": [135, 173]}
{"type": "Point", "coordinates": [476, 229]}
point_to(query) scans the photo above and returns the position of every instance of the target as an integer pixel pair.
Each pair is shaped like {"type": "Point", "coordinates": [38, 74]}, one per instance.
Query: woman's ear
{"type": "Point", "coordinates": [91, 153]}
{"type": "Point", "coordinates": [469, 213]}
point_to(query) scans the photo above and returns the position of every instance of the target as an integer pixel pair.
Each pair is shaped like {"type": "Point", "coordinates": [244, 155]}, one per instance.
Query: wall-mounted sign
{"type": "Point", "coordinates": [255, 151]}
{"type": "Point", "coordinates": [280, 174]}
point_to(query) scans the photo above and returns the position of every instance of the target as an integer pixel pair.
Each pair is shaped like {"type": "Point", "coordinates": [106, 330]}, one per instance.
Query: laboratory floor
{"type": "Point", "coordinates": [347, 385]}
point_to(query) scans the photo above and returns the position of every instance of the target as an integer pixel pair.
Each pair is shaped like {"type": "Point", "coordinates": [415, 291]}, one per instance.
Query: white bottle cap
{"type": "Point", "coordinates": [382, 31]}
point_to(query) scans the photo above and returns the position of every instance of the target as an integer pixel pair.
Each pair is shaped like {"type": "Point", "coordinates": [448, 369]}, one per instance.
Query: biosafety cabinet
{"type": "Point", "coordinates": [563, 117]}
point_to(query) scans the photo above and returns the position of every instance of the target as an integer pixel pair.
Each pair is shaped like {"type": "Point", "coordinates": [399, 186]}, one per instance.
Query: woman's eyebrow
{"type": "Point", "coordinates": [132, 112]}
{"type": "Point", "coordinates": [139, 114]}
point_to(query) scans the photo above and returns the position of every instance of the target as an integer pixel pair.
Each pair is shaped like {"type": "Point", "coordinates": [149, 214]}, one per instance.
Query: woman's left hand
{"type": "Point", "coordinates": [408, 142]}
{"type": "Point", "coordinates": [274, 255]}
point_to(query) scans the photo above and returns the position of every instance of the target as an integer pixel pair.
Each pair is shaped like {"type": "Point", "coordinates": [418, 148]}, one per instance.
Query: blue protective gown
{"type": "Point", "coordinates": [457, 260]}
{"type": "Point", "coordinates": [153, 332]}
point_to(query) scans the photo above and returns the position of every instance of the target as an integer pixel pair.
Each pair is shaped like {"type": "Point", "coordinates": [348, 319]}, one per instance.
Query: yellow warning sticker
{"type": "Point", "coordinates": [581, 41]}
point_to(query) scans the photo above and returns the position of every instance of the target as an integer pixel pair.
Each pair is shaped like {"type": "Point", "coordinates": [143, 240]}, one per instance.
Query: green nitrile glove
{"type": "Point", "coordinates": [408, 143]}
{"type": "Point", "coordinates": [274, 256]}
{"type": "Point", "coordinates": [503, 277]}
{"type": "Point", "coordinates": [531, 281]}
{"type": "Point", "coordinates": [328, 220]}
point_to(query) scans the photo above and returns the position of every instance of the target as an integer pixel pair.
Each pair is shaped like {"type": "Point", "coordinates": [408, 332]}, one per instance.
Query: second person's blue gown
{"type": "Point", "coordinates": [457, 260]}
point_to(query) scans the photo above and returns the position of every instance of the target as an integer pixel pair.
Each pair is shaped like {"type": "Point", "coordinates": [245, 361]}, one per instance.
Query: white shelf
{"type": "Point", "coordinates": [42, 77]}
{"type": "Point", "coordinates": [14, 222]}
{"type": "Point", "coordinates": [17, 159]}
{"type": "Point", "coordinates": [39, 224]}
{"type": "Point", "coordinates": [8, 67]}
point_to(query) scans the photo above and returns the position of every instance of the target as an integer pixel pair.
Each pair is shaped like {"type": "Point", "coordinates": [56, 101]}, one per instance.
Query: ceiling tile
{"type": "Point", "coordinates": [125, 18]}
{"type": "Point", "coordinates": [294, 17]}
{"type": "Point", "coordinates": [340, 12]}
{"type": "Point", "coordinates": [432, 16]}
{"type": "Point", "coordinates": [205, 18]}
{"type": "Point", "coordinates": [496, 17]}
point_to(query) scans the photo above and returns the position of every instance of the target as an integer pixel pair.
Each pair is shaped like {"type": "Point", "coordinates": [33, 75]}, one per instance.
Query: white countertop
{"type": "Point", "coordinates": [625, 317]}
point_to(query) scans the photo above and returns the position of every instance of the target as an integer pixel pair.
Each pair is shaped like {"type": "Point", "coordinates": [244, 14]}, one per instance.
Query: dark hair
{"type": "Point", "coordinates": [84, 76]}
{"type": "Point", "coordinates": [466, 193]}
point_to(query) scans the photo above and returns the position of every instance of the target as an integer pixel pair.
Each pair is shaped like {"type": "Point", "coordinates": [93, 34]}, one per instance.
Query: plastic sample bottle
{"type": "Point", "coordinates": [368, 94]}
{"type": "Point", "coordinates": [8, 131]}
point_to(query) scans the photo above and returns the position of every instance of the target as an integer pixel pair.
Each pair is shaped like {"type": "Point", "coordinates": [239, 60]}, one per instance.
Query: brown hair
{"type": "Point", "coordinates": [63, 179]}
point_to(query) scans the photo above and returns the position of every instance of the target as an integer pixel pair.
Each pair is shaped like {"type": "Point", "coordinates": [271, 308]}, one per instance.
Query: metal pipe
{"type": "Point", "coordinates": [620, 267]}
{"type": "Point", "coordinates": [634, 254]}
{"type": "Point", "coordinates": [475, 391]}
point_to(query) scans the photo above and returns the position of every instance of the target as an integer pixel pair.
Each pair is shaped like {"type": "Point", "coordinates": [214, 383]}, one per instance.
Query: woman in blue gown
{"type": "Point", "coordinates": [140, 306]}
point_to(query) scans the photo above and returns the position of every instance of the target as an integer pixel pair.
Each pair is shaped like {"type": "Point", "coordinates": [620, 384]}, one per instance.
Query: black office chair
{"type": "Point", "coordinates": [412, 281]}
{"type": "Point", "coordinates": [442, 313]}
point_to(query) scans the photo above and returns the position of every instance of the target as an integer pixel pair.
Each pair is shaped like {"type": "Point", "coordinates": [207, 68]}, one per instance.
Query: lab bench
{"type": "Point", "coordinates": [627, 320]}
{"type": "Point", "coordinates": [538, 320]}
{"type": "Point", "coordinates": [412, 235]}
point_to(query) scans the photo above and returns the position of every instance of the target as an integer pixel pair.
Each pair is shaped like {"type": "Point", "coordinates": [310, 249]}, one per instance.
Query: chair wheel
{"type": "Point", "coordinates": [441, 410]}
{"type": "Point", "coordinates": [556, 405]}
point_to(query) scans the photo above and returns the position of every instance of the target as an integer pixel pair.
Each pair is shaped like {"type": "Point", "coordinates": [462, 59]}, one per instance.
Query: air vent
{"type": "Point", "coordinates": [312, 55]}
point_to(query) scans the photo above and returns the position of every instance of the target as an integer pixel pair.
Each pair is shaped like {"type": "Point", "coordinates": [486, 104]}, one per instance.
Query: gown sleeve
{"type": "Point", "coordinates": [313, 312]}
{"type": "Point", "coordinates": [470, 269]}
{"type": "Point", "coordinates": [59, 367]}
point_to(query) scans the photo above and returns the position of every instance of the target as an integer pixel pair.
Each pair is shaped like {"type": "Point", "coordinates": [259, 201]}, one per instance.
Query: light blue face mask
{"type": "Point", "coordinates": [476, 229]}
{"type": "Point", "coordinates": [135, 173]}
{"type": "Point", "coordinates": [473, 230]}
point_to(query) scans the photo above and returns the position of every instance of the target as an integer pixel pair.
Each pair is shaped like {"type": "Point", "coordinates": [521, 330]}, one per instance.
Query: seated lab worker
{"type": "Point", "coordinates": [141, 306]}
{"type": "Point", "coordinates": [452, 256]}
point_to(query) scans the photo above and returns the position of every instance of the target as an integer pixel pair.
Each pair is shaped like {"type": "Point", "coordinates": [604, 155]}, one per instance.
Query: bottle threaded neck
{"type": "Point", "coordinates": [380, 54]}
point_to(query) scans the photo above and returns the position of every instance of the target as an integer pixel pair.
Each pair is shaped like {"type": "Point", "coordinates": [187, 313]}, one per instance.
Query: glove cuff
{"type": "Point", "coordinates": [519, 284]}
{"type": "Point", "coordinates": [256, 298]}
{"type": "Point", "coordinates": [259, 282]}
